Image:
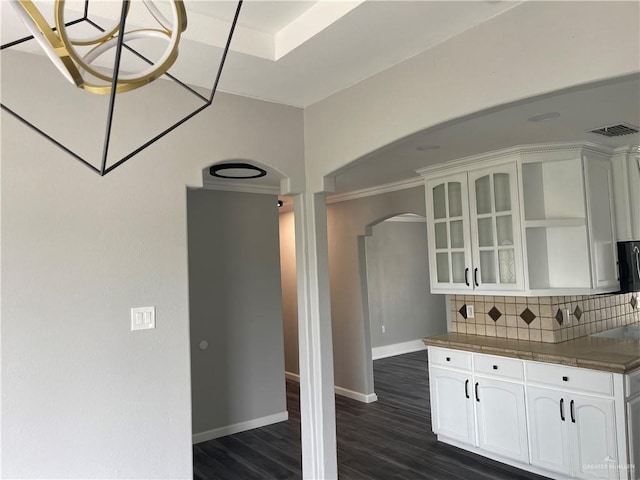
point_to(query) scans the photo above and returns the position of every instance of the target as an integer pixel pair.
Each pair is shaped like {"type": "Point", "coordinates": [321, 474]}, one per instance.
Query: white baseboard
{"type": "Point", "coordinates": [239, 427]}
{"type": "Point", "coordinates": [397, 349]}
{"type": "Point", "coordinates": [361, 397]}
{"type": "Point", "coordinates": [345, 392]}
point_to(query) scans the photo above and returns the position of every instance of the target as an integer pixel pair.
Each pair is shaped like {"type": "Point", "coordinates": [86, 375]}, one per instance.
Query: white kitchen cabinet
{"type": "Point", "coordinates": [501, 418]}
{"type": "Point", "coordinates": [452, 405]}
{"type": "Point", "coordinates": [572, 434]}
{"type": "Point", "coordinates": [568, 225]}
{"type": "Point", "coordinates": [632, 407]}
{"type": "Point", "coordinates": [531, 220]}
{"type": "Point", "coordinates": [486, 410]}
{"type": "Point", "coordinates": [557, 420]}
{"type": "Point", "coordinates": [593, 437]}
{"type": "Point", "coordinates": [548, 429]}
{"type": "Point", "coordinates": [475, 235]}
{"type": "Point", "coordinates": [450, 257]}
{"type": "Point", "coordinates": [495, 232]}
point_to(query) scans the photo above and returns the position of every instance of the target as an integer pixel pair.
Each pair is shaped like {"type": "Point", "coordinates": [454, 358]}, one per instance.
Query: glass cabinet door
{"type": "Point", "coordinates": [494, 229]}
{"type": "Point", "coordinates": [448, 220]}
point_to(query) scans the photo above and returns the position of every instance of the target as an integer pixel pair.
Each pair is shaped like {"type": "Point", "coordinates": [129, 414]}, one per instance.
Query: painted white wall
{"type": "Point", "coordinates": [536, 48]}
{"type": "Point", "coordinates": [398, 285]}
{"type": "Point", "coordinates": [235, 306]}
{"type": "Point", "coordinates": [81, 392]}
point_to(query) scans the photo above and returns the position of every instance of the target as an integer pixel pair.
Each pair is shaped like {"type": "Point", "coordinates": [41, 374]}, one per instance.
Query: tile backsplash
{"type": "Point", "coordinates": [542, 319]}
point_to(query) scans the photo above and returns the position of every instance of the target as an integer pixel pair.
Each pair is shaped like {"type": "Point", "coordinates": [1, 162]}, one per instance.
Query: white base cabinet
{"type": "Point", "coordinates": [563, 422]}
{"type": "Point", "coordinates": [573, 434]}
{"type": "Point", "coordinates": [452, 409]}
{"type": "Point", "coordinates": [481, 407]}
{"type": "Point", "coordinates": [501, 416]}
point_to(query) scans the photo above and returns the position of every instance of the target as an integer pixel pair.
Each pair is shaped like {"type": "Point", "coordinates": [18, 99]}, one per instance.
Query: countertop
{"type": "Point", "coordinates": [597, 353]}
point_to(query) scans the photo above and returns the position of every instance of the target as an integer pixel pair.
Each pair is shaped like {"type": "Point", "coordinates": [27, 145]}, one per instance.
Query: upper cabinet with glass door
{"type": "Point", "coordinates": [495, 232]}
{"type": "Point", "coordinates": [471, 218]}
{"type": "Point", "coordinates": [448, 232]}
{"type": "Point", "coordinates": [533, 220]}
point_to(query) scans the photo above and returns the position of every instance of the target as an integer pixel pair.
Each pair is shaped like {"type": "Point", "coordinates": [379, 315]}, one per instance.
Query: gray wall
{"type": "Point", "coordinates": [82, 395]}
{"type": "Point", "coordinates": [348, 224]}
{"type": "Point", "coordinates": [235, 305]}
{"type": "Point", "coordinates": [398, 285]}
{"type": "Point", "coordinates": [289, 293]}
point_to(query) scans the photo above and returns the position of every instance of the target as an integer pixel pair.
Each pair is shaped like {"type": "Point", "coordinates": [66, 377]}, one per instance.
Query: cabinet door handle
{"type": "Point", "coordinates": [562, 409]}
{"type": "Point", "coordinates": [477, 397]}
{"type": "Point", "coordinates": [495, 367]}
{"type": "Point", "coordinates": [573, 413]}
{"type": "Point", "coordinates": [466, 276]}
{"type": "Point", "coordinates": [466, 388]}
{"type": "Point", "coordinates": [475, 277]}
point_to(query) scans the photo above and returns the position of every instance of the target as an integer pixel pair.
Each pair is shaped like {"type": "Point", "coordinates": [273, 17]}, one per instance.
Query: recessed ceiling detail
{"type": "Point", "coordinates": [617, 130]}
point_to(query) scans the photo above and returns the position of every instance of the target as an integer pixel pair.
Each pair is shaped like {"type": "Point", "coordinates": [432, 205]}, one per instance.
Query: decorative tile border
{"type": "Point", "coordinates": [542, 319]}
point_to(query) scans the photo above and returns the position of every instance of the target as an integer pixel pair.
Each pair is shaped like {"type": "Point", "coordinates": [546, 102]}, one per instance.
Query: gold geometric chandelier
{"type": "Point", "coordinates": [85, 59]}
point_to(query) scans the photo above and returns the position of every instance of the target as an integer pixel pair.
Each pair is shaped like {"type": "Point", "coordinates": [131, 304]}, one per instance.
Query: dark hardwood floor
{"type": "Point", "coordinates": [387, 439]}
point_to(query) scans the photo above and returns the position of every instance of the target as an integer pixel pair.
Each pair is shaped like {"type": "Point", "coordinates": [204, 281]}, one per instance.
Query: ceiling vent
{"type": "Point", "coordinates": [617, 130]}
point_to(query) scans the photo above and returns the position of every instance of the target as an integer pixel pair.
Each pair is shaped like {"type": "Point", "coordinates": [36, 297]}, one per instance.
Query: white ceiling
{"type": "Point", "coordinates": [293, 52]}
{"type": "Point", "coordinates": [299, 52]}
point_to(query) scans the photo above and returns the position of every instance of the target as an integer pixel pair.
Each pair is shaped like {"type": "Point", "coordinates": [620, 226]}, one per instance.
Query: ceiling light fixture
{"type": "Point", "coordinates": [75, 58]}
{"type": "Point", "coordinates": [236, 171]}
{"type": "Point", "coordinates": [544, 117]}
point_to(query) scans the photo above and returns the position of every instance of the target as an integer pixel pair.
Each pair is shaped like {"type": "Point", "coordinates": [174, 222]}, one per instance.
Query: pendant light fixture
{"type": "Point", "coordinates": [80, 59]}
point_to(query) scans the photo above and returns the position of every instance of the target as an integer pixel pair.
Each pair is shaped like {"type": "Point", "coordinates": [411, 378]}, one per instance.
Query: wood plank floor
{"type": "Point", "coordinates": [387, 439]}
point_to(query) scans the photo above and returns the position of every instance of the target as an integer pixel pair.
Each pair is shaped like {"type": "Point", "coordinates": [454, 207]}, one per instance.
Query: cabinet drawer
{"type": "Point", "coordinates": [570, 378]}
{"type": "Point", "coordinates": [450, 358]}
{"type": "Point", "coordinates": [632, 383]}
{"type": "Point", "coordinates": [498, 366]}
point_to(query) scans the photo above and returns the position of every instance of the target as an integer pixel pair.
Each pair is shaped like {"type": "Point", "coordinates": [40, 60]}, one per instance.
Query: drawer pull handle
{"type": "Point", "coordinates": [565, 379]}
{"type": "Point", "coordinates": [466, 388]}
{"type": "Point", "coordinates": [573, 413]}
{"type": "Point", "coordinates": [562, 409]}
{"type": "Point", "coordinates": [448, 359]}
{"type": "Point", "coordinates": [495, 367]}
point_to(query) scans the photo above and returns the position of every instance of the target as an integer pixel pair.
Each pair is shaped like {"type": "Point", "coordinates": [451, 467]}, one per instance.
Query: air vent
{"type": "Point", "coordinates": [617, 130]}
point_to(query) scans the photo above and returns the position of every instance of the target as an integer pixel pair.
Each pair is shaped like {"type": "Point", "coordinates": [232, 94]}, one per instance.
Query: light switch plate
{"type": "Point", "coordinates": [143, 318]}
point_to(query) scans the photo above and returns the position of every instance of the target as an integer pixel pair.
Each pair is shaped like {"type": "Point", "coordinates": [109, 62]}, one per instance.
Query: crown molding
{"type": "Point", "coordinates": [240, 187]}
{"type": "Point", "coordinates": [517, 151]}
{"type": "Point", "coordinates": [378, 190]}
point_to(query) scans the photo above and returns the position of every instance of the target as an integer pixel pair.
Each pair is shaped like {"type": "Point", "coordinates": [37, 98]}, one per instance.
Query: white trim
{"type": "Point", "coordinates": [361, 397]}
{"type": "Point", "coordinates": [239, 427]}
{"type": "Point", "coordinates": [240, 187]}
{"type": "Point", "coordinates": [345, 392]}
{"type": "Point", "coordinates": [397, 349]}
{"type": "Point", "coordinates": [558, 148]}
{"type": "Point", "coordinates": [380, 189]}
{"type": "Point", "coordinates": [407, 217]}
